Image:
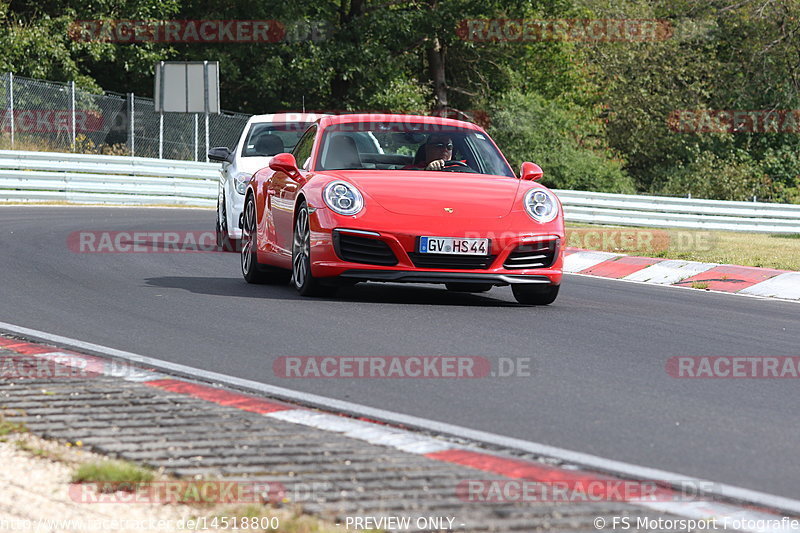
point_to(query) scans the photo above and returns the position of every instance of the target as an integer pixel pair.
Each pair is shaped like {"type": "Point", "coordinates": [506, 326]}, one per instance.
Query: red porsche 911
{"type": "Point", "coordinates": [401, 198]}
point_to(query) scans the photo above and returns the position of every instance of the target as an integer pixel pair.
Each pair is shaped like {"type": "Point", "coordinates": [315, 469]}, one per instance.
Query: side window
{"type": "Point", "coordinates": [249, 142]}
{"type": "Point", "coordinates": [302, 152]}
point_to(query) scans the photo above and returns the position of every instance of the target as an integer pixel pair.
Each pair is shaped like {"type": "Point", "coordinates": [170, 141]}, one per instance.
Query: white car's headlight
{"type": "Point", "coordinates": [541, 205]}
{"type": "Point", "coordinates": [240, 181]}
{"type": "Point", "coordinates": [343, 198]}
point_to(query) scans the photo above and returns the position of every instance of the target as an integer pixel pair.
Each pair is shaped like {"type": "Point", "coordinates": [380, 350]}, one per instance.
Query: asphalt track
{"type": "Point", "coordinates": [598, 383]}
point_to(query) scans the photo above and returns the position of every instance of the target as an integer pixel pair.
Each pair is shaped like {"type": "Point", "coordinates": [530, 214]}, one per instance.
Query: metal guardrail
{"type": "Point", "coordinates": [121, 180]}
{"type": "Point", "coordinates": [667, 212]}
{"type": "Point", "coordinates": [100, 179]}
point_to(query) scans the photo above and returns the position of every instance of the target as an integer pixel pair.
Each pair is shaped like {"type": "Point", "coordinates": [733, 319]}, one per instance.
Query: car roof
{"type": "Point", "coordinates": [327, 120]}
{"type": "Point", "coordinates": [286, 117]}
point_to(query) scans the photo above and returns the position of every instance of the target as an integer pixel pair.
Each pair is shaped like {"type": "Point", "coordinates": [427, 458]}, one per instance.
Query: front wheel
{"type": "Point", "coordinates": [303, 280]}
{"type": "Point", "coordinates": [530, 294]}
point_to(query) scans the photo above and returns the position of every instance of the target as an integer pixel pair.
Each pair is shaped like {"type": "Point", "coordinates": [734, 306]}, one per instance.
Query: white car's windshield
{"type": "Point", "coordinates": [268, 139]}
{"type": "Point", "coordinates": [408, 146]}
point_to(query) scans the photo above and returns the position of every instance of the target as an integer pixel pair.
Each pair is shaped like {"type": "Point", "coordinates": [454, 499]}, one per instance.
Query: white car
{"type": "Point", "coordinates": [263, 137]}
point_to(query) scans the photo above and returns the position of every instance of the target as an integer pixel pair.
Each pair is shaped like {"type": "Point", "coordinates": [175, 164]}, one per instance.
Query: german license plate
{"type": "Point", "coordinates": [453, 246]}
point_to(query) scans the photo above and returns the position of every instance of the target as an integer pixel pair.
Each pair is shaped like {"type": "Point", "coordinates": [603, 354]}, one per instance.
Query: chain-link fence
{"type": "Point", "coordinates": [51, 116]}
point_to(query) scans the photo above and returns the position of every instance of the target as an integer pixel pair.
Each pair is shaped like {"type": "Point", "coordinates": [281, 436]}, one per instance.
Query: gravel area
{"type": "Point", "coordinates": [35, 496]}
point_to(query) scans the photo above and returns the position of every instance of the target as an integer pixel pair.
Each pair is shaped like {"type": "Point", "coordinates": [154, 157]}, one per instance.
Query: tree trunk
{"type": "Point", "coordinates": [436, 69]}
{"type": "Point", "coordinates": [340, 87]}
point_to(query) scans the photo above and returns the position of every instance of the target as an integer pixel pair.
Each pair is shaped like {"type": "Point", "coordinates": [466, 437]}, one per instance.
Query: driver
{"type": "Point", "coordinates": [437, 150]}
{"type": "Point", "coordinates": [433, 155]}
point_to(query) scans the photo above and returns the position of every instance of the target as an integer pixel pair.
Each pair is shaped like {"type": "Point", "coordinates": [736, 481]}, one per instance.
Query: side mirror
{"type": "Point", "coordinates": [221, 154]}
{"type": "Point", "coordinates": [531, 171]}
{"type": "Point", "coordinates": [284, 163]}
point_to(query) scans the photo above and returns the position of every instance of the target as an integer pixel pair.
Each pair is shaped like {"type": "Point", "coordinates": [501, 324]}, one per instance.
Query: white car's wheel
{"type": "Point", "coordinates": [224, 241]}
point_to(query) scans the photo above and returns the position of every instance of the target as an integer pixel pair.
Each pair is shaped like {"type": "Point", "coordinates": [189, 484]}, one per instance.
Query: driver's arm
{"type": "Point", "coordinates": [436, 164]}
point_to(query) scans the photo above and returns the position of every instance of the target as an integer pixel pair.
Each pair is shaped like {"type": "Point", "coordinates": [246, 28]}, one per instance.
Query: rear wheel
{"type": "Point", "coordinates": [252, 270]}
{"type": "Point", "coordinates": [531, 294]}
{"type": "Point", "coordinates": [468, 287]}
{"type": "Point", "coordinates": [303, 280]}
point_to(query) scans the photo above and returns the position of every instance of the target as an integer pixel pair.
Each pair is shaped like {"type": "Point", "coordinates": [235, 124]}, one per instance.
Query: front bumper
{"type": "Point", "coordinates": [436, 276]}
{"type": "Point", "coordinates": [234, 208]}
{"type": "Point", "coordinates": [506, 234]}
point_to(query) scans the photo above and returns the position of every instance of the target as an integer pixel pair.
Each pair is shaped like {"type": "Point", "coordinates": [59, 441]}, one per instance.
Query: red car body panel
{"type": "Point", "coordinates": [400, 206]}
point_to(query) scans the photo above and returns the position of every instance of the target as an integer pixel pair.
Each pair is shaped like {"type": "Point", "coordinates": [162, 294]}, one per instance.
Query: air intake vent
{"type": "Point", "coordinates": [462, 262]}
{"type": "Point", "coordinates": [357, 249]}
{"type": "Point", "coordinates": [540, 254]}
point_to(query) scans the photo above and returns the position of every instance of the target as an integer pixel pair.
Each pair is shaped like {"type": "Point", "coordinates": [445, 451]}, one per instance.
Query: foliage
{"type": "Point", "coordinates": [569, 146]}
{"type": "Point", "coordinates": [593, 114]}
{"type": "Point", "coordinates": [736, 177]}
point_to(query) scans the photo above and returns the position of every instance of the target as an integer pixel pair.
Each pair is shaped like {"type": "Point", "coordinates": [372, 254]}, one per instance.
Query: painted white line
{"type": "Point", "coordinates": [785, 285]}
{"type": "Point", "coordinates": [358, 429]}
{"type": "Point", "coordinates": [587, 460]}
{"type": "Point", "coordinates": [670, 272]}
{"type": "Point", "coordinates": [585, 259]}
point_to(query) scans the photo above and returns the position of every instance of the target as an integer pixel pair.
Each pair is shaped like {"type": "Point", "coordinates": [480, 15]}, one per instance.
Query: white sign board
{"type": "Point", "coordinates": [187, 87]}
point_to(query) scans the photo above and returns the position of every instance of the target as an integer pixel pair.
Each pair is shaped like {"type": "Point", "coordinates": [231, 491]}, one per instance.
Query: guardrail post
{"type": "Point", "coordinates": [11, 105]}
{"type": "Point", "coordinates": [161, 135]}
{"type": "Point", "coordinates": [73, 126]}
{"type": "Point", "coordinates": [205, 102]}
{"type": "Point", "coordinates": [131, 129]}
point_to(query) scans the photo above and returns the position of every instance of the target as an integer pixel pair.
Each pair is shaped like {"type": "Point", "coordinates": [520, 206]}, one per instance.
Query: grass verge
{"type": "Point", "coordinates": [725, 247]}
{"type": "Point", "coordinates": [112, 472]}
{"type": "Point", "coordinates": [9, 426]}
{"type": "Point", "coordinates": [88, 467]}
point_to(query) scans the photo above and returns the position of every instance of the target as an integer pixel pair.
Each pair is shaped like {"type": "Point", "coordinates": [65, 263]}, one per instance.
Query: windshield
{"type": "Point", "coordinates": [410, 147]}
{"type": "Point", "coordinates": [268, 139]}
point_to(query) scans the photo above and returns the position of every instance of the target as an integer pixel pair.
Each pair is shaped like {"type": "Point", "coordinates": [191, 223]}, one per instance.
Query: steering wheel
{"type": "Point", "coordinates": [454, 165]}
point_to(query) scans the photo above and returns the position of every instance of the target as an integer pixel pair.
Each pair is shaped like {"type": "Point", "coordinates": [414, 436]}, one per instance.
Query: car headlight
{"type": "Point", "coordinates": [343, 198]}
{"type": "Point", "coordinates": [240, 181]}
{"type": "Point", "coordinates": [541, 205]}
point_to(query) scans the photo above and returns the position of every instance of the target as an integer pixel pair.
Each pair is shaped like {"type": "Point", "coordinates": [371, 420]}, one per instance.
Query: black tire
{"type": "Point", "coordinates": [302, 279]}
{"type": "Point", "coordinates": [252, 270]}
{"type": "Point", "coordinates": [224, 241]}
{"type": "Point", "coordinates": [531, 294]}
{"type": "Point", "coordinates": [468, 287]}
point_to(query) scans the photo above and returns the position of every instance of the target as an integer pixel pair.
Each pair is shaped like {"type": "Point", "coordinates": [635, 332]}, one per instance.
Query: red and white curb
{"type": "Point", "coordinates": [756, 510]}
{"type": "Point", "coordinates": [752, 281]}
